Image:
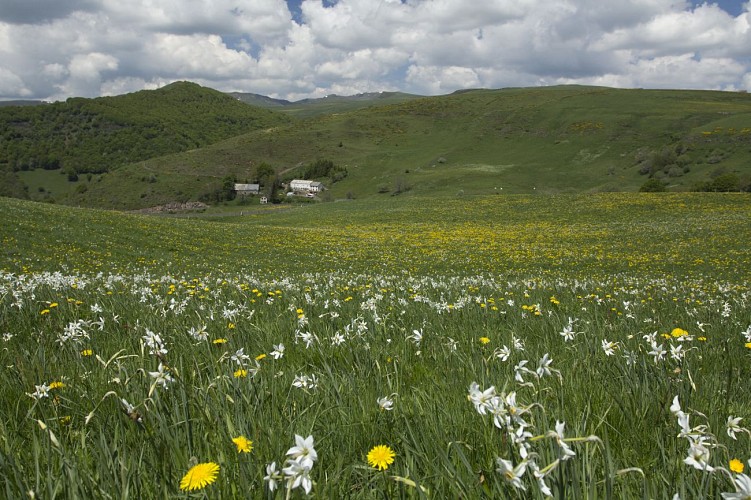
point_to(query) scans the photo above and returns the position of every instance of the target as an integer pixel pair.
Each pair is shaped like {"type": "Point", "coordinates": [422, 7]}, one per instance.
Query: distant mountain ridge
{"type": "Point", "coordinates": [22, 102]}
{"type": "Point", "coordinates": [332, 103]}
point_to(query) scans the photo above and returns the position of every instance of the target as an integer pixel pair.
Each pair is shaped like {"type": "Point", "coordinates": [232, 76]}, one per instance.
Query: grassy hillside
{"type": "Point", "coordinates": [553, 140]}
{"type": "Point", "coordinates": [532, 140]}
{"type": "Point", "coordinates": [99, 135]}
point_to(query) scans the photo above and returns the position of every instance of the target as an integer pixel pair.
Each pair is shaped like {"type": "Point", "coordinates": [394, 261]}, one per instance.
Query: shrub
{"type": "Point", "coordinates": [725, 183]}
{"type": "Point", "coordinates": [652, 186]}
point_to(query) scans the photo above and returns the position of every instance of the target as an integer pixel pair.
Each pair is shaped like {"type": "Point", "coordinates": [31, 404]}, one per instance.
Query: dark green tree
{"type": "Point", "coordinates": [653, 186]}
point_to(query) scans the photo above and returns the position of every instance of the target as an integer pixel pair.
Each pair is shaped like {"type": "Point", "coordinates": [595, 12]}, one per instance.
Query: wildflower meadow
{"type": "Point", "coordinates": [511, 346]}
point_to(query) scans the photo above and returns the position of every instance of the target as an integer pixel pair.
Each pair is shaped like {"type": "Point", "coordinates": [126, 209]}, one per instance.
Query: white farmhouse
{"type": "Point", "coordinates": [305, 186]}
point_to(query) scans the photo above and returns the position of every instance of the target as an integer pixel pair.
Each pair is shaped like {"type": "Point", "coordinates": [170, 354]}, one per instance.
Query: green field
{"type": "Point", "coordinates": [552, 335]}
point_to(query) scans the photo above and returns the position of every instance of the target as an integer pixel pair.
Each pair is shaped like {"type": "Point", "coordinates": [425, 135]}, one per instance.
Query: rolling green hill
{"type": "Point", "coordinates": [100, 135]}
{"type": "Point", "coordinates": [527, 140]}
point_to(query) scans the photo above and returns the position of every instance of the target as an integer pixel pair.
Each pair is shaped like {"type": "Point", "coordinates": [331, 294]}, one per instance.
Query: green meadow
{"type": "Point", "coordinates": [482, 346]}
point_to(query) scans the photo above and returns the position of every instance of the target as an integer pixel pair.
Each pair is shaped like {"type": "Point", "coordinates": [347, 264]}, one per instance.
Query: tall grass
{"type": "Point", "coordinates": [390, 322]}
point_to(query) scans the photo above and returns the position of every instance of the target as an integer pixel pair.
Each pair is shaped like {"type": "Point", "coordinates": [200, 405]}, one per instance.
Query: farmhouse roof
{"type": "Point", "coordinates": [247, 187]}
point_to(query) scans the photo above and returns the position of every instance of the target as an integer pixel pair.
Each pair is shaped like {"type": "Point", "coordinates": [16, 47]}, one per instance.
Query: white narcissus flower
{"type": "Point", "coordinates": [240, 357]}
{"type": "Point", "coordinates": [733, 427]}
{"type": "Point", "coordinates": [544, 366]}
{"type": "Point", "coordinates": [566, 451]}
{"type": "Point", "coordinates": [658, 351]}
{"type": "Point", "coordinates": [416, 336]}
{"type": "Point", "coordinates": [513, 475]}
{"type": "Point", "coordinates": [520, 369]}
{"type": "Point", "coordinates": [686, 431]}
{"type": "Point", "coordinates": [272, 476]}
{"type": "Point", "coordinates": [278, 351]}
{"type": "Point", "coordinates": [568, 333]}
{"type": "Point", "coordinates": [675, 408]}
{"type": "Point", "coordinates": [298, 472]}
{"type": "Point", "coordinates": [698, 457]}
{"type": "Point", "coordinates": [609, 347]}
{"type": "Point", "coordinates": [544, 488]}
{"type": "Point", "coordinates": [303, 450]}
{"type": "Point", "coordinates": [386, 403]}
{"type": "Point", "coordinates": [502, 353]}
{"type": "Point", "coordinates": [676, 352]}
{"type": "Point", "coordinates": [747, 334]}
{"type": "Point", "coordinates": [480, 399]}
{"type": "Point", "coordinates": [161, 376]}
{"type": "Point", "coordinates": [41, 391]}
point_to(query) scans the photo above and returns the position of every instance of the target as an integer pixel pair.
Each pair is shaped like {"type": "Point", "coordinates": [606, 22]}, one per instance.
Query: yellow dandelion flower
{"type": "Point", "coordinates": [736, 466]}
{"type": "Point", "coordinates": [87, 352]}
{"type": "Point", "coordinates": [380, 457]}
{"type": "Point", "coordinates": [199, 476]}
{"type": "Point", "coordinates": [56, 385]}
{"type": "Point", "coordinates": [748, 345]}
{"type": "Point", "coordinates": [260, 357]}
{"type": "Point", "coordinates": [241, 373]}
{"type": "Point", "coordinates": [231, 326]}
{"type": "Point", "coordinates": [678, 332]}
{"type": "Point", "coordinates": [53, 305]}
{"type": "Point", "coordinates": [219, 341]}
{"type": "Point", "coordinates": [484, 340]}
{"type": "Point", "coordinates": [244, 445]}
{"type": "Point", "coordinates": [44, 311]}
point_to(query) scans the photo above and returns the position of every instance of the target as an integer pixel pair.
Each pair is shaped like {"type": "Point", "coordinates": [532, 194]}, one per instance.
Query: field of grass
{"type": "Point", "coordinates": [523, 346]}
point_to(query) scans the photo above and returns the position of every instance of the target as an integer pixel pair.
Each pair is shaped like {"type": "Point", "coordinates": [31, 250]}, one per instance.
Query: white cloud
{"type": "Point", "coordinates": [94, 47]}
{"type": "Point", "coordinates": [11, 84]}
{"type": "Point", "coordinates": [441, 79]}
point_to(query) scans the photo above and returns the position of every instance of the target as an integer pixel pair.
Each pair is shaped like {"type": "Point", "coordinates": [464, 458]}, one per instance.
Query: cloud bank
{"type": "Point", "coordinates": [54, 49]}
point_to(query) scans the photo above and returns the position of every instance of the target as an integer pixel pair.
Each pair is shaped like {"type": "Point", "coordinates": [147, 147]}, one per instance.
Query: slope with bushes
{"type": "Point", "coordinates": [100, 135]}
{"type": "Point", "coordinates": [526, 140]}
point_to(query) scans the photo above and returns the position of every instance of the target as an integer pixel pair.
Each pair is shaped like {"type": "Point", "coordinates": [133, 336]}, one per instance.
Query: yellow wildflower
{"type": "Point", "coordinates": [244, 445]}
{"type": "Point", "coordinates": [199, 476]}
{"type": "Point", "coordinates": [380, 457]}
{"type": "Point", "coordinates": [678, 332]}
{"type": "Point", "coordinates": [736, 466]}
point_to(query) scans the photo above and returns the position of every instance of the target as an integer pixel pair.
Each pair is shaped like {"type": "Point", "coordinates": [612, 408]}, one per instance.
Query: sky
{"type": "Point", "coordinates": [294, 49]}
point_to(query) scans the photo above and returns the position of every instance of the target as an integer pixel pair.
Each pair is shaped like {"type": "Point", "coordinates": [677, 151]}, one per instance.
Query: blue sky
{"type": "Point", "coordinates": [293, 49]}
{"type": "Point", "coordinates": [734, 7]}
